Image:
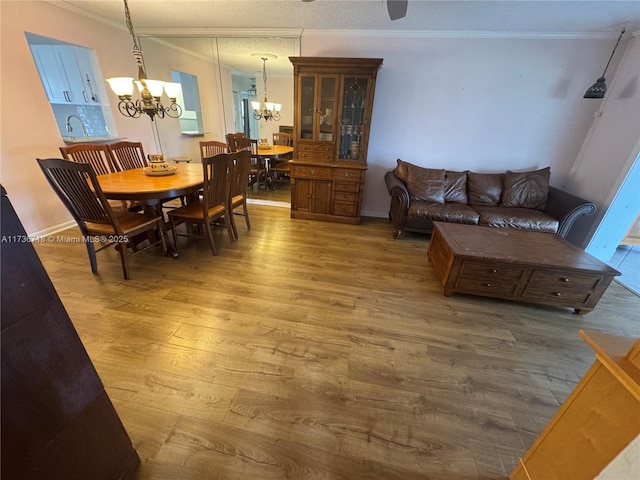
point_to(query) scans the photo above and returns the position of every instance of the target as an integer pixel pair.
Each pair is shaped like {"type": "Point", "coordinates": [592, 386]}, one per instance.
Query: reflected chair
{"type": "Point", "coordinates": [258, 172]}
{"type": "Point", "coordinates": [214, 203]}
{"type": "Point", "coordinates": [231, 141]}
{"type": "Point", "coordinates": [98, 156]}
{"type": "Point", "coordinates": [127, 155]}
{"type": "Point", "coordinates": [282, 167]}
{"type": "Point", "coordinates": [212, 148]}
{"type": "Point", "coordinates": [242, 166]}
{"type": "Point", "coordinates": [78, 188]}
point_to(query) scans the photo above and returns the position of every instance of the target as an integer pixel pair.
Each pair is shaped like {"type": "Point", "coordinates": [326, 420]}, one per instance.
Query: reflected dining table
{"type": "Point", "coordinates": [151, 190]}
{"type": "Point", "coordinates": [273, 152]}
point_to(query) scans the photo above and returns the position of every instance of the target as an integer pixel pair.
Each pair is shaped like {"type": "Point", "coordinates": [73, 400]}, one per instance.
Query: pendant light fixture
{"type": "Point", "coordinates": [598, 89]}
{"type": "Point", "coordinates": [266, 110]}
{"type": "Point", "coordinates": [150, 90]}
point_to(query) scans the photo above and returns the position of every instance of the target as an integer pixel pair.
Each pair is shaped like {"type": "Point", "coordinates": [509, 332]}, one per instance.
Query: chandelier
{"type": "Point", "coordinates": [267, 110]}
{"type": "Point", "coordinates": [598, 89]}
{"type": "Point", "coordinates": [150, 90]}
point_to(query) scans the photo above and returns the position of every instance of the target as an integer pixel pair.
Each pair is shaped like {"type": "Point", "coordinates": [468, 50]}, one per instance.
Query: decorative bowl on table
{"type": "Point", "coordinates": [158, 166]}
{"type": "Point", "coordinates": [263, 143]}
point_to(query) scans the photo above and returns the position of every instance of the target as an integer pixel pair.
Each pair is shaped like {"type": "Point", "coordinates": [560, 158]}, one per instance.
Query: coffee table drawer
{"type": "Point", "coordinates": [562, 280]}
{"type": "Point", "coordinates": [481, 286]}
{"type": "Point", "coordinates": [491, 272]}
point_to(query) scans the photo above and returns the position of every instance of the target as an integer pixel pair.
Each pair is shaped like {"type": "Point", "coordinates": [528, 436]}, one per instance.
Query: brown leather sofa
{"type": "Point", "coordinates": [522, 200]}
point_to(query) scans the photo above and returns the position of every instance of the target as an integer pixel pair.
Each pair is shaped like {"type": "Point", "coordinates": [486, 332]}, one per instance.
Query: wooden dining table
{"type": "Point", "coordinates": [151, 190]}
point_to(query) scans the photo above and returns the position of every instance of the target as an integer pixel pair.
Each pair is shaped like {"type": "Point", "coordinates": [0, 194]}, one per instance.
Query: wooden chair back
{"type": "Point", "coordinates": [216, 185]}
{"type": "Point", "coordinates": [242, 165]}
{"type": "Point", "coordinates": [128, 155]}
{"type": "Point", "coordinates": [280, 138]}
{"type": "Point", "coordinates": [69, 180]}
{"type": "Point", "coordinates": [212, 148]}
{"type": "Point", "coordinates": [231, 140]}
{"type": "Point", "coordinates": [98, 156]}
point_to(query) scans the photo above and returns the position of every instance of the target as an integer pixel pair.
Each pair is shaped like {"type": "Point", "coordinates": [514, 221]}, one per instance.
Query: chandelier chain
{"type": "Point", "coordinates": [127, 16]}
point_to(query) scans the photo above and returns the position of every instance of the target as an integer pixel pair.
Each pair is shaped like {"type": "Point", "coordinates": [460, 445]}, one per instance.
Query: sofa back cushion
{"type": "Point", "coordinates": [455, 187]}
{"type": "Point", "coordinates": [425, 184]}
{"type": "Point", "coordinates": [485, 188]}
{"type": "Point", "coordinates": [526, 189]}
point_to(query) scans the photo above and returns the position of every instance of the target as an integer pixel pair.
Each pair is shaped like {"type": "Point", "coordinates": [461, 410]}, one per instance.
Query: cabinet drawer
{"type": "Point", "coordinates": [486, 287]}
{"type": "Point", "coordinates": [563, 280]}
{"type": "Point", "coordinates": [346, 174]}
{"type": "Point", "coordinates": [314, 151]}
{"type": "Point", "coordinates": [309, 171]}
{"type": "Point", "coordinates": [346, 209]}
{"type": "Point", "coordinates": [345, 197]}
{"type": "Point", "coordinates": [490, 272]}
{"type": "Point", "coordinates": [346, 187]}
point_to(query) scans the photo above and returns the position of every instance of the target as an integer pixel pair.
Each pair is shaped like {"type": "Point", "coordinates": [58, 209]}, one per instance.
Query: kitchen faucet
{"type": "Point", "coordinates": [70, 129]}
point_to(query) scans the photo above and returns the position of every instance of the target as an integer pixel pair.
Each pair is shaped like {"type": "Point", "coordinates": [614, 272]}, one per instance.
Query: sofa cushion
{"type": "Point", "coordinates": [485, 188]}
{"type": "Point", "coordinates": [422, 183]}
{"type": "Point", "coordinates": [514, 217]}
{"type": "Point", "coordinates": [526, 189]}
{"type": "Point", "coordinates": [444, 212]}
{"type": "Point", "coordinates": [455, 186]}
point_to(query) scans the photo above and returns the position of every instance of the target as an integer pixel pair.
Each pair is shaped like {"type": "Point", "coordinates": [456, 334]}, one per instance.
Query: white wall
{"type": "Point", "coordinates": [608, 153]}
{"type": "Point", "coordinates": [483, 104]}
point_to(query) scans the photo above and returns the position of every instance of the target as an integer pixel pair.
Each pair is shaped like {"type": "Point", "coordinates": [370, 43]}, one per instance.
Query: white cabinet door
{"type": "Point", "coordinates": [52, 74]}
{"type": "Point", "coordinates": [90, 88]}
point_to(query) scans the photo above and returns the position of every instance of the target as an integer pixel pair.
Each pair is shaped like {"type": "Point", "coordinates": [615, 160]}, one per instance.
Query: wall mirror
{"type": "Point", "coordinates": [238, 59]}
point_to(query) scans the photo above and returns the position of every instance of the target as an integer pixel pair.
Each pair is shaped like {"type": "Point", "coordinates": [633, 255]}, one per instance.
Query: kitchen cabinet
{"type": "Point", "coordinates": [333, 100]}
{"type": "Point", "coordinates": [67, 74]}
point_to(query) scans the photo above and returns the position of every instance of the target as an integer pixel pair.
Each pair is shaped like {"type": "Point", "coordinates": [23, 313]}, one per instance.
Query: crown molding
{"type": "Point", "coordinates": [220, 32]}
{"type": "Point", "coordinates": [462, 34]}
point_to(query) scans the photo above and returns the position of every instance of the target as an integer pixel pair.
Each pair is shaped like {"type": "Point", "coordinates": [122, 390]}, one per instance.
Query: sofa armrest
{"type": "Point", "coordinates": [566, 208]}
{"type": "Point", "coordinates": [399, 202]}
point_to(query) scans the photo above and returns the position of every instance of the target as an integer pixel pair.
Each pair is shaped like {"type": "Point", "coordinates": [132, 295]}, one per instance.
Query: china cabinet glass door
{"type": "Point", "coordinates": [317, 107]}
{"type": "Point", "coordinates": [354, 95]}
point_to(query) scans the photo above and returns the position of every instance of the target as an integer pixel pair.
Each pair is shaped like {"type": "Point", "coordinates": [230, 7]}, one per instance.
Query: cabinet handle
{"type": "Point", "coordinates": [67, 97]}
{"type": "Point", "coordinates": [494, 270]}
{"type": "Point", "coordinates": [84, 94]}
{"type": "Point", "coordinates": [564, 279]}
{"type": "Point", "coordinates": [313, 172]}
{"type": "Point", "coordinates": [557, 294]}
{"type": "Point", "coordinates": [347, 175]}
{"type": "Point", "coordinates": [486, 284]}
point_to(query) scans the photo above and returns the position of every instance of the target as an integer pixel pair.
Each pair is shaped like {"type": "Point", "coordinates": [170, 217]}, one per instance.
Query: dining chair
{"type": "Point", "coordinates": [238, 194]}
{"type": "Point", "coordinates": [214, 204]}
{"type": "Point", "coordinates": [77, 186]}
{"type": "Point", "coordinates": [231, 140]}
{"type": "Point", "coordinates": [127, 155]}
{"type": "Point", "coordinates": [97, 155]}
{"type": "Point", "coordinates": [281, 138]}
{"type": "Point", "coordinates": [258, 171]}
{"type": "Point", "coordinates": [212, 148]}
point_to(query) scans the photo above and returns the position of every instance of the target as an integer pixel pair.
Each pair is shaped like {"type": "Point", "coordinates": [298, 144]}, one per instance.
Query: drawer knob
{"type": "Point", "coordinates": [557, 294]}
{"type": "Point", "coordinates": [347, 175]}
{"type": "Point", "coordinates": [564, 279]}
{"type": "Point", "coordinates": [486, 284]}
{"type": "Point", "coordinates": [494, 270]}
{"type": "Point", "coordinates": [313, 172]}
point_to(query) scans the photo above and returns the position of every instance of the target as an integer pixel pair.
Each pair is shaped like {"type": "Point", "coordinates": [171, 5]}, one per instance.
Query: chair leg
{"type": "Point", "coordinates": [163, 241]}
{"type": "Point", "coordinates": [211, 242]}
{"type": "Point", "coordinates": [175, 234]}
{"type": "Point", "coordinates": [230, 223]}
{"type": "Point", "coordinates": [91, 251]}
{"type": "Point", "coordinates": [246, 214]}
{"type": "Point", "coordinates": [233, 222]}
{"type": "Point", "coordinates": [122, 250]}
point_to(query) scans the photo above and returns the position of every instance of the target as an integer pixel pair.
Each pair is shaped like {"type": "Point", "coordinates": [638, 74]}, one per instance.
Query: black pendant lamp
{"type": "Point", "coordinates": [598, 89]}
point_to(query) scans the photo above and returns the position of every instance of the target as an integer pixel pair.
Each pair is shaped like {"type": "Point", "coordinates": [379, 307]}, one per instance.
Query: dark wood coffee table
{"type": "Point", "coordinates": [517, 265]}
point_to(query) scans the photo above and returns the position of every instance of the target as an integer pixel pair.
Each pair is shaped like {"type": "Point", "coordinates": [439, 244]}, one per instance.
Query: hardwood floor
{"type": "Point", "coordinates": [322, 351]}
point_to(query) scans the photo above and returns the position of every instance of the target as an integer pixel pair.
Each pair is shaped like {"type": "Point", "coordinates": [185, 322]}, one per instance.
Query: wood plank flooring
{"type": "Point", "coordinates": [311, 350]}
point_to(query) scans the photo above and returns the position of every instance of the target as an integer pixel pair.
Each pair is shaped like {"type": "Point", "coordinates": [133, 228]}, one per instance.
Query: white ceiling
{"type": "Point", "coordinates": [188, 18]}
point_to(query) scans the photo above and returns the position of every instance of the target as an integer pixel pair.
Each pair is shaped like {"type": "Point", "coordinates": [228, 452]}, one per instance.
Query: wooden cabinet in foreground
{"type": "Point", "coordinates": [596, 422]}
{"type": "Point", "coordinates": [333, 105]}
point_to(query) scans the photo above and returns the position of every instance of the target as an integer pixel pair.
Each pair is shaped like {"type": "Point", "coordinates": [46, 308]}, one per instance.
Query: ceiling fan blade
{"type": "Point", "coordinates": [397, 8]}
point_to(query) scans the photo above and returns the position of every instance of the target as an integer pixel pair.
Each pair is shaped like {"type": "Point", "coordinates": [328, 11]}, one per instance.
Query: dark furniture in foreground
{"type": "Point", "coordinates": [57, 420]}
{"type": "Point", "coordinates": [520, 200]}
{"type": "Point", "coordinates": [517, 265]}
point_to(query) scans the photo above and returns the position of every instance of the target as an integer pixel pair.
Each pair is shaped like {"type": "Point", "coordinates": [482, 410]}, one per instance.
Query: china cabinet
{"type": "Point", "coordinates": [333, 100]}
